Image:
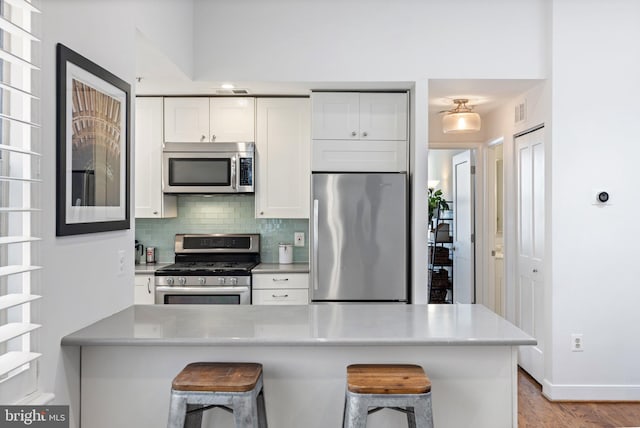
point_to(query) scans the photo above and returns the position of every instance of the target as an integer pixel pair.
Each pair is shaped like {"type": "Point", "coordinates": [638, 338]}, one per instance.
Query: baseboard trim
{"type": "Point", "coordinates": [568, 392]}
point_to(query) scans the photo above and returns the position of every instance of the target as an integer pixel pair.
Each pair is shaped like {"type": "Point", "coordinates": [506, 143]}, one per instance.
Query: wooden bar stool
{"type": "Point", "coordinates": [234, 387]}
{"type": "Point", "coordinates": [402, 387]}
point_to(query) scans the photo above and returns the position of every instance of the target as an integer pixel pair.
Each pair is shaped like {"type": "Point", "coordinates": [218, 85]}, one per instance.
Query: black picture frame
{"type": "Point", "coordinates": [93, 147]}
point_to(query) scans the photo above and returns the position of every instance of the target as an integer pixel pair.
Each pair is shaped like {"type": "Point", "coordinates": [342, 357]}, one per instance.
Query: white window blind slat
{"type": "Point", "coordinates": [23, 4]}
{"type": "Point", "coordinates": [5, 240]}
{"type": "Point", "coordinates": [9, 148]}
{"type": "Point", "coordinates": [19, 210]}
{"type": "Point", "coordinates": [12, 300]}
{"type": "Point", "coordinates": [16, 269]}
{"type": "Point", "coordinates": [14, 360]}
{"type": "Point", "coordinates": [24, 180]}
{"type": "Point", "coordinates": [10, 88]}
{"type": "Point", "coordinates": [12, 28]}
{"type": "Point", "coordinates": [16, 329]}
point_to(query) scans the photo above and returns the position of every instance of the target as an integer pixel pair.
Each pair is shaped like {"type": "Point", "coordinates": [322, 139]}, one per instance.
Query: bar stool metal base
{"type": "Point", "coordinates": [416, 406]}
{"type": "Point", "coordinates": [248, 408]}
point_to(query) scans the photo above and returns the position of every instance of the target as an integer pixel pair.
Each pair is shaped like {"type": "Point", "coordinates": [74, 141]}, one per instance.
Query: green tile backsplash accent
{"type": "Point", "coordinates": [221, 214]}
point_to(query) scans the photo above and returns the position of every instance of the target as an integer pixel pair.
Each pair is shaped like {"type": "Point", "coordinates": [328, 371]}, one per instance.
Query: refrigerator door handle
{"type": "Point", "coordinates": [314, 259]}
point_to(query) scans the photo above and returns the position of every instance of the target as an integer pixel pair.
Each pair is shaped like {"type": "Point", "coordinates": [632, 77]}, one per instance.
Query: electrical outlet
{"type": "Point", "coordinates": [298, 239]}
{"type": "Point", "coordinates": [120, 262]}
{"type": "Point", "coordinates": [576, 343]}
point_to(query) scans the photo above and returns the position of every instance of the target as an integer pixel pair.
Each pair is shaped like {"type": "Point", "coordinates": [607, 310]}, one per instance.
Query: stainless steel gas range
{"type": "Point", "coordinates": [209, 269]}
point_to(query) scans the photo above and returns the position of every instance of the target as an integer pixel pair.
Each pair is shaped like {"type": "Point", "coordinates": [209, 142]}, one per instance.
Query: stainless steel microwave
{"type": "Point", "coordinates": [208, 168]}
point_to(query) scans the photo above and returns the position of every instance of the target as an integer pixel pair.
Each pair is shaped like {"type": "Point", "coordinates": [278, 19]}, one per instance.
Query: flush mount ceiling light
{"type": "Point", "coordinates": [461, 119]}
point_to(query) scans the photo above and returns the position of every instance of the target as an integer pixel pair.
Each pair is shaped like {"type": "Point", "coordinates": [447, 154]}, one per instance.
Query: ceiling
{"type": "Point", "coordinates": [157, 75]}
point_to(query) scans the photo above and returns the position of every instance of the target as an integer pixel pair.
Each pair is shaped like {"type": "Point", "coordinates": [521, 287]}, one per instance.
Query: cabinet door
{"type": "Point", "coordinates": [150, 202]}
{"type": "Point", "coordinates": [282, 150]}
{"type": "Point", "coordinates": [144, 289]}
{"type": "Point", "coordinates": [186, 120]}
{"type": "Point", "coordinates": [335, 115]}
{"type": "Point", "coordinates": [231, 120]}
{"type": "Point", "coordinates": [383, 116]}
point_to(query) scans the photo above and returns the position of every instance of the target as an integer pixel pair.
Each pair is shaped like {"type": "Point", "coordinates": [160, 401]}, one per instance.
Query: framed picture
{"type": "Point", "coordinates": [93, 158]}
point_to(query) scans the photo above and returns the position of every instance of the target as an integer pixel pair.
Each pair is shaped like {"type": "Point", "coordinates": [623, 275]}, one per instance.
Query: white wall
{"type": "Point", "coordinates": [379, 40]}
{"type": "Point", "coordinates": [595, 146]}
{"type": "Point", "coordinates": [80, 282]}
{"type": "Point", "coordinates": [440, 165]}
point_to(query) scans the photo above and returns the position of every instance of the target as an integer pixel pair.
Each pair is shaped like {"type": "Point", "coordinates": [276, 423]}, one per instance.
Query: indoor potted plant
{"type": "Point", "coordinates": [436, 200]}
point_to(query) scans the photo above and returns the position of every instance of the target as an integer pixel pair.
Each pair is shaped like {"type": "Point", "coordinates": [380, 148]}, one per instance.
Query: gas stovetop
{"type": "Point", "coordinates": [210, 268]}
{"type": "Point", "coordinates": [216, 255]}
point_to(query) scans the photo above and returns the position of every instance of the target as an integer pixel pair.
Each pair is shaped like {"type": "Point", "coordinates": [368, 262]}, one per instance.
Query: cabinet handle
{"type": "Point", "coordinates": [276, 296]}
{"type": "Point", "coordinates": [213, 137]}
{"type": "Point", "coordinates": [279, 279]}
{"type": "Point", "coordinates": [354, 133]}
{"type": "Point", "coordinates": [149, 285]}
{"type": "Point", "coordinates": [261, 212]}
{"type": "Point", "coordinates": [535, 271]}
{"type": "Point", "coordinates": [155, 213]}
{"type": "Point", "coordinates": [364, 134]}
{"type": "Point", "coordinates": [203, 138]}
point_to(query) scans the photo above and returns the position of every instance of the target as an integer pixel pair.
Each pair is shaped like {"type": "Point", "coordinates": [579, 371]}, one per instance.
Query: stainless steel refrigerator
{"type": "Point", "coordinates": [359, 237]}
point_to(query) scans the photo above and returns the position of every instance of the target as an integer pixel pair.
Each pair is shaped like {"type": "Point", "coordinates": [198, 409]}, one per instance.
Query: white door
{"type": "Point", "coordinates": [463, 230]}
{"type": "Point", "coordinates": [186, 120]}
{"type": "Point", "coordinates": [530, 246]}
{"type": "Point", "coordinates": [231, 119]}
{"type": "Point", "coordinates": [383, 116]}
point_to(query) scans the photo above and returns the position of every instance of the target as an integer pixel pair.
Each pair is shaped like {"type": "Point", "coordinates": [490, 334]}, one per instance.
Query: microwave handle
{"type": "Point", "coordinates": [234, 176]}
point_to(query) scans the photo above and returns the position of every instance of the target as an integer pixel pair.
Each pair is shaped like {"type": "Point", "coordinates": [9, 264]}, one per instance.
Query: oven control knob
{"type": "Point", "coordinates": [202, 280]}
{"type": "Point", "coordinates": [169, 280]}
{"type": "Point", "coordinates": [233, 280]}
{"type": "Point", "coordinates": [221, 280]}
{"type": "Point", "coordinates": [182, 280]}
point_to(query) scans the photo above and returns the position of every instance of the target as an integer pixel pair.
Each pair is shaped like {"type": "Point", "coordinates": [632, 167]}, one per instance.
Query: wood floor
{"type": "Point", "coordinates": [536, 411]}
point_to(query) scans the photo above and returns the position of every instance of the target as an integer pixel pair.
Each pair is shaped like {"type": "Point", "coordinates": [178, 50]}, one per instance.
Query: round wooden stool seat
{"type": "Point", "coordinates": [218, 377]}
{"type": "Point", "coordinates": [387, 379]}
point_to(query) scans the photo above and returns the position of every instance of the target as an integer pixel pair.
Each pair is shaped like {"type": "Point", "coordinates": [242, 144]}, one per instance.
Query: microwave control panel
{"type": "Point", "coordinates": [246, 171]}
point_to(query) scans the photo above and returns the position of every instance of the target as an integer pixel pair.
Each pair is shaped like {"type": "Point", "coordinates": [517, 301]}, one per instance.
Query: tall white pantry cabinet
{"type": "Point", "coordinates": [283, 139]}
{"type": "Point", "coordinates": [150, 202]}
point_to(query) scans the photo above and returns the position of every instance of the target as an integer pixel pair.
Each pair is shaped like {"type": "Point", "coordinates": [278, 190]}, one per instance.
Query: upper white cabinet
{"type": "Point", "coordinates": [283, 161]}
{"type": "Point", "coordinates": [150, 201]}
{"type": "Point", "coordinates": [359, 132]}
{"type": "Point", "coordinates": [359, 116]}
{"type": "Point", "coordinates": [202, 119]}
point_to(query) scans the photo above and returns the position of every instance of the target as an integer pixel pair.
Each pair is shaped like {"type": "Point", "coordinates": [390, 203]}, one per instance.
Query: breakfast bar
{"type": "Point", "coordinates": [127, 361]}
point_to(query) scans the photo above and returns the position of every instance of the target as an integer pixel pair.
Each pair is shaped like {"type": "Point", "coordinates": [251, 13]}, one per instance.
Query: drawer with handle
{"type": "Point", "coordinates": [268, 281]}
{"type": "Point", "coordinates": [280, 297]}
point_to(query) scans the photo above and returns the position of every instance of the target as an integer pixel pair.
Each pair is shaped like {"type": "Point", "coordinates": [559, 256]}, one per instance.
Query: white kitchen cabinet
{"type": "Point", "coordinates": [280, 289]}
{"type": "Point", "coordinates": [359, 132]}
{"type": "Point", "coordinates": [150, 202]}
{"type": "Point", "coordinates": [144, 289]}
{"type": "Point", "coordinates": [203, 119]}
{"type": "Point", "coordinates": [359, 116]}
{"type": "Point", "coordinates": [283, 159]}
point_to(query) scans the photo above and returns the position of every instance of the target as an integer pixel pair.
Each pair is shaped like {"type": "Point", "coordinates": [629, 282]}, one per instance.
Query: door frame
{"type": "Point", "coordinates": [479, 159]}
{"type": "Point", "coordinates": [490, 213]}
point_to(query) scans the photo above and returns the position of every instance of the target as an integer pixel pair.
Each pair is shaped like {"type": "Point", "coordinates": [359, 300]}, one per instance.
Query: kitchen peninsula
{"type": "Point", "coordinates": [129, 359]}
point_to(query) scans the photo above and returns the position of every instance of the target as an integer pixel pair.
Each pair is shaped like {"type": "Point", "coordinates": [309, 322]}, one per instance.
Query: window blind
{"type": "Point", "coordinates": [19, 193]}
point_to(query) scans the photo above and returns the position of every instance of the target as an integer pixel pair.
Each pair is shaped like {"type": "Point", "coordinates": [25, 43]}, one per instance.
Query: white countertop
{"type": "Point", "coordinates": [316, 325]}
{"type": "Point", "coordinates": [281, 268]}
